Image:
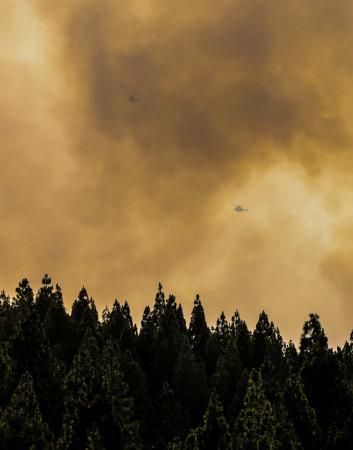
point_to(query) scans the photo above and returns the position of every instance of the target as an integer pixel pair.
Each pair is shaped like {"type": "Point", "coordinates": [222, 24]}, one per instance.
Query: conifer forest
{"type": "Point", "coordinates": [71, 381]}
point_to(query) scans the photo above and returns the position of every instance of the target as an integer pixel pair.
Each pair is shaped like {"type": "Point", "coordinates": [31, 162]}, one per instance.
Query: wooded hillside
{"type": "Point", "coordinates": [70, 381]}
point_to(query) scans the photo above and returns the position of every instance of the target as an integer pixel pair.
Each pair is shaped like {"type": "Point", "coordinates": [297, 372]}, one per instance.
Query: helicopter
{"type": "Point", "coordinates": [133, 98]}
{"type": "Point", "coordinates": [240, 209]}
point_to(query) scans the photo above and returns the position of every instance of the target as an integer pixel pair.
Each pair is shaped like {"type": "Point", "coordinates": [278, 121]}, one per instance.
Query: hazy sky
{"type": "Point", "coordinates": [241, 101]}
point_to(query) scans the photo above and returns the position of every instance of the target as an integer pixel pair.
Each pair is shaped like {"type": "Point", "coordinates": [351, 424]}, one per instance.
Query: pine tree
{"type": "Point", "coordinates": [214, 432]}
{"type": "Point", "coordinates": [212, 353]}
{"type": "Point", "coordinates": [242, 337]}
{"type": "Point", "coordinates": [239, 395]}
{"type": "Point", "coordinates": [302, 414]}
{"type": "Point", "coordinates": [85, 384]}
{"type": "Point", "coordinates": [30, 351]}
{"type": "Point", "coordinates": [169, 416]}
{"type": "Point", "coordinates": [222, 331]}
{"type": "Point", "coordinates": [255, 427]}
{"type": "Point", "coordinates": [6, 373]}
{"type": "Point", "coordinates": [181, 320]}
{"type": "Point", "coordinates": [313, 340]}
{"type": "Point", "coordinates": [292, 358]}
{"type": "Point", "coordinates": [7, 318]}
{"type": "Point", "coordinates": [96, 396]}
{"type": "Point", "coordinates": [198, 329]}
{"type": "Point", "coordinates": [158, 308]}
{"type": "Point", "coordinates": [120, 429]}
{"type": "Point", "coordinates": [84, 312]}
{"type": "Point", "coordinates": [82, 391]}
{"type": "Point", "coordinates": [341, 434]}
{"type": "Point", "coordinates": [286, 437]}
{"type": "Point", "coordinates": [175, 444]}
{"type": "Point", "coordinates": [119, 326]}
{"type": "Point", "coordinates": [21, 424]}
{"type": "Point", "coordinates": [319, 372]}
{"type": "Point", "coordinates": [94, 440]}
{"type": "Point", "coordinates": [227, 376]}
{"type": "Point", "coordinates": [267, 340]}
{"type": "Point", "coordinates": [138, 390]}
{"type": "Point", "coordinates": [192, 441]}
{"type": "Point", "coordinates": [59, 329]}
{"type": "Point", "coordinates": [23, 302]}
{"type": "Point", "coordinates": [190, 385]}
{"type": "Point", "coordinates": [169, 340]}
{"type": "Point", "coordinates": [146, 344]}
{"type": "Point", "coordinates": [44, 297]}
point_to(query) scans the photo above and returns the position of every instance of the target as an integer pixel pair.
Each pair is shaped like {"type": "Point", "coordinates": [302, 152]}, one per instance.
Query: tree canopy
{"type": "Point", "coordinates": [71, 381]}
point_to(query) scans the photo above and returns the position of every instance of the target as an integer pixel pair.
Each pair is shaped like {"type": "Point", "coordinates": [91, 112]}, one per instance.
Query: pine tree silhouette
{"type": "Point", "coordinates": [255, 427]}
{"type": "Point", "coordinates": [21, 424]}
{"type": "Point", "coordinates": [71, 381]}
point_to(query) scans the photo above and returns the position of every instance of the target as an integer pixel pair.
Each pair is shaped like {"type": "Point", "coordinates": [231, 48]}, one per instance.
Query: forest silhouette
{"type": "Point", "coordinates": [72, 381]}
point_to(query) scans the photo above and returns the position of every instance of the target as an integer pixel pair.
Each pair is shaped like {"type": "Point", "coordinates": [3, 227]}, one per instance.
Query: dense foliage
{"type": "Point", "coordinates": [70, 381]}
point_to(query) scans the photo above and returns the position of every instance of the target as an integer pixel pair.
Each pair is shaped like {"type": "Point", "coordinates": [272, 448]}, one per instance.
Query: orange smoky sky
{"type": "Point", "coordinates": [241, 101]}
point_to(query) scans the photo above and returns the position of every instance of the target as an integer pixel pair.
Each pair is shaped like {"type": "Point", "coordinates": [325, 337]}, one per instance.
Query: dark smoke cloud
{"type": "Point", "coordinates": [214, 81]}
{"type": "Point", "coordinates": [228, 90]}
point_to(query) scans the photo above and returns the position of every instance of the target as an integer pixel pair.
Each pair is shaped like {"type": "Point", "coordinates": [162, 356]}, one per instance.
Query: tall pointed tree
{"type": "Point", "coordinates": [146, 343]}
{"type": "Point", "coordinates": [144, 409]}
{"type": "Point", "coordinates": [84, 311]}
{"type": "Point", "coordinates": [7, 318]}
{"type": "Point", "coordinates": [118, 324]}
{"type": "Point", "coordinates": [302, 414]}
{"type": "Point", "coordinates": [239, 394]}
{"type": "Point", "coordinates": [190, 384]}
{"type": "Point", "coordinates": [23, 302]}
{"type": "Point", "coordinates": [6, 373]}
{"type": "Point", "coordinates": [222, 331]}
{"type": "Point", "coordinates": [255, 427]}
{"type": "Point", "coordinates": [94, 440]}
{"type": "Point", "coordinates": [96, 396]}
{"type": "Point", "coordinates": [214, 432]}
{"type": "Point", "coordinates": [267, 340]}
{"type": "Point", "coordinates": [59, 329]}
{"type": "Point", "coordinates": [119, 429]}
{"type": "Point", "coordinates": [169, 416]}
{"type": "Point", "coordinates": [44, 297]}
{"type": "Point", "coordinates": [198, 329]}
{"type": "Point", "coordinates": [158, 308]}
{"type": "Point", "coordinates": [242, 336]}
{"type": "Point", "coordinates": [313, 340]}
{"type": "Point", "coordinates": [169, 340]}
{"type": "Point", "coordinates": [21, 424]}
{"type": "Point", "coordinates": [227, 376]}
{"type": "Point", "coordinates": [319, 372]}
{"type": "Point", "coordinates": [30, 351]}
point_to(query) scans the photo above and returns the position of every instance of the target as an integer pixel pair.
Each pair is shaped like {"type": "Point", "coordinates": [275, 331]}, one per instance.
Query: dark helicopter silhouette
{"type": "Point", "coordinates": [240, 209]}
{"type": "Point", "coordinates": [133, 99]}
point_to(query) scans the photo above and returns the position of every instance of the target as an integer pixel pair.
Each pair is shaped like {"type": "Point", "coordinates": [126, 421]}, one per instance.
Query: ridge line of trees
{"type": "Point", "coordinates": [71, 381]}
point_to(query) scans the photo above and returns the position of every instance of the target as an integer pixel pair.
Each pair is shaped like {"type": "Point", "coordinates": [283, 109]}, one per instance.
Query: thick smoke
{"type": "Point", "coordinates": [229, 91]}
